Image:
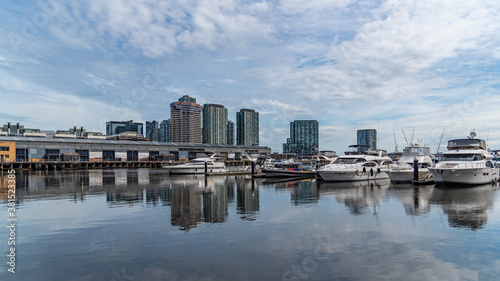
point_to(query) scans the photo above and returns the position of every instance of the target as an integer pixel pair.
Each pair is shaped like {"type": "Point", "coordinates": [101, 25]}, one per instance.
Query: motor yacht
{"type": "Point", "coordinates": [467, 162]}
{"type": "Point", "coordinates": [197, 166]}
{"type": "Point", "coordinates": [357, 166]}
{"type": "Point", "coordinates": [403, 170]}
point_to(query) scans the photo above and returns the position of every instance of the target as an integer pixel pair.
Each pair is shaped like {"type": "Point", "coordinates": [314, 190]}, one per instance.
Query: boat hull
{"type": "Point", "coordinates": [342, 175]}
{"type": "Point", "coordinates": [273, 173]}
{"type": "Point", "coordinates": [194, 170]}
{"type": "Point", "coordinates": [468, 176]}
{"type": "Point", "coordinates": [406, 176]}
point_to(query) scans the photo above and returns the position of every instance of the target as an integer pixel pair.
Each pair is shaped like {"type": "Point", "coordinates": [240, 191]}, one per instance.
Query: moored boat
{"type": "Point", "coordinates": [467, 162]}
{"type": "Point", "coordinates": [288, 169]}
{"type": "Point", "coordinates": [403, 170]}
{"type": "Point", "coordinates": [357, 166]}
{"type": "Point", "coordinates": [197, 166]}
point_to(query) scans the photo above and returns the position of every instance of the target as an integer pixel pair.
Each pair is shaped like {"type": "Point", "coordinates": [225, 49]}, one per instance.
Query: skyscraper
{"type": "Point", "coordinates": [214, 124]}
{"type": "Point", "coordinates": [304, 138]}
{"type": "Point", "coordinates": [230, 132]}
{"type": "Point", "coordinates": [152, 131]}
{"type": "Point", "coordinates": [185, 118]}
{"type": "Point", "coordinates": [367, 138]}
{"type": "Point", "coordinates": [165, 131]}
{"type": "Point", "coordinates": [247, 127]}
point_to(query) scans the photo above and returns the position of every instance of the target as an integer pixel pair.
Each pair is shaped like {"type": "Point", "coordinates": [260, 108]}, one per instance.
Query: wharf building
{"type": "Point", "coordinates": [29, 149]}
{"type": "Point", "coordinates": [304, 138]}
{"type": "Point", "coordinates": [247, 127]}
{"type": "Point", "coordinates": [185, 119]}
{"type": "Point", "coordinates": [367, 139]}
{"type": "Point", "coordinates": [214, 124]}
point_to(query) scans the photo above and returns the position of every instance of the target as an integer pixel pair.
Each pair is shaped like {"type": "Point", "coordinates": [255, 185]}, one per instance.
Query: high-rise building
{"type": "Point", "coordinates": [214, 124]}
{"type": "Point", "coordinates": [367, 139]}
{"type": "Point", "coordinates": [152, 131]}
{"type": "Point", "coordinates": [185, 119]}
{"type": "Point", "coordinates": [165, 131]}
{"type": "Point", "coordinates": [230, 132]}
{"type": "Point", "coordinates": [247, 127]}
{"type": "Point", "coordinates": [118, 127]}
{"type": "Point", "coordinates": [304, 138]}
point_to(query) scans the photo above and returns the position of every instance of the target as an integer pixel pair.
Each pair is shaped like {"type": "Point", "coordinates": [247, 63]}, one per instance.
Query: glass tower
{"type": "Point", "coordinates": [214, 124]}
{"type": "Point", "coordinates": [247, 127]}
{"type": "Point", "coordinates": [368, 139]}
{"type": "Point", "coordinates": [304, 138]}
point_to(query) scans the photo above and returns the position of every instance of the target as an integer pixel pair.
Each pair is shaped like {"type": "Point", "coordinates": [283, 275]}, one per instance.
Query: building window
{"type": "Point", "coordinates": [4, 148]}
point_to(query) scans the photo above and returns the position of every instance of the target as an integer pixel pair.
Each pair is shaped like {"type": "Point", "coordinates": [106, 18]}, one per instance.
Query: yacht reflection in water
{"type": "Point", "coordinates": [416, 199]}
{"type": "Point", "coordinates": [358, 196]}
{"type": "Point", "coordinates": [466, 207]}
{"type": "Point", "coordinates": [304, 191]}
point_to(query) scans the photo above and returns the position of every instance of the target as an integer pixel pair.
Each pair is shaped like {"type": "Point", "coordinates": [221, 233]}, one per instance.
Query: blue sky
{"type": "Point", "coordinates": [388, 65]}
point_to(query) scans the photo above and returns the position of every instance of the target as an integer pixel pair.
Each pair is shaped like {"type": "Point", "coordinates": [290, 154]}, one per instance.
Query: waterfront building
{"type": "Point", "coordinates": [165, 131]}
{"type": "Point", "coordinates": [367, 139]}
{"type": "Point", "coordinates": [152, 131]}
{"type": "Point", "coordinates": [247, 127]}
{"type": "Point", "coordinates": [304, 138]}
{"type": "Point", "coordinates": [29, 149]}
{"type": "Point", "coordinates": [185, 118]}
{"type": "Point", "coordinates": [118, 127]}
{"type": "Point", "coordinates": [214, 124]}
{"type": "Point", "coordinates": [230, 132]}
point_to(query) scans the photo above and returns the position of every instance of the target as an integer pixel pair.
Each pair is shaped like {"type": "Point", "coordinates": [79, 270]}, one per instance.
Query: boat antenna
{"type": "Point", "coordinates": [405, 137]}
{"type": "Point", "coordinates": [395, 142]}
{"type": "Point", "coordinates": [439, 145]}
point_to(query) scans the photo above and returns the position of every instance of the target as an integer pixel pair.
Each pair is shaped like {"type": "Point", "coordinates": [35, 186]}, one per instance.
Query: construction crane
{"type": "Point", "coordinates": [395, 142]}
{"type": "Point", "coordinates": [405, 137]}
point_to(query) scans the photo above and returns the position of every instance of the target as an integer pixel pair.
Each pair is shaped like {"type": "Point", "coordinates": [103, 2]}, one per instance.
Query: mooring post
{"type": "Point", "coordinates": [415, 169]}
{"type": "Point", "coordinates": [206, 168]}
{"type": "Point", "coordinates": [253, 168]}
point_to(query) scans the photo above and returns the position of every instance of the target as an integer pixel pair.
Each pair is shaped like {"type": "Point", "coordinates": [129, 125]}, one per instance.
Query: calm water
{"type": "Point", "coordinates": [145, 225]}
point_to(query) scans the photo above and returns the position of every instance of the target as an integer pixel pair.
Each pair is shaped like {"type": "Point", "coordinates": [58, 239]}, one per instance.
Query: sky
{"type": "Point", "coordinates": [418, 67]}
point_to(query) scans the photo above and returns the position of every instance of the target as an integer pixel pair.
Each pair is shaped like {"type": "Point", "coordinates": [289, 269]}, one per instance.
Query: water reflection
{"type": "Point", "coordinates": [415, 199]}
{"type": "Point", "coordinates": [197, 199]}
{"type": "Point", "coordinates": [466, 207]}
{"type": "Point", "coordinates": [358, 197]}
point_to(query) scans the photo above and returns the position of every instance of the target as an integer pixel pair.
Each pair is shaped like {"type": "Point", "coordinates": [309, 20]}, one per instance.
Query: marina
{"type": "Point", "coordinates": [138, 224]}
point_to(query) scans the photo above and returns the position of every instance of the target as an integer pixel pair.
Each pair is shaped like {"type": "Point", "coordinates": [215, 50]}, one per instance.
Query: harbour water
{"type": "Point", "coordinates": [143, 224]}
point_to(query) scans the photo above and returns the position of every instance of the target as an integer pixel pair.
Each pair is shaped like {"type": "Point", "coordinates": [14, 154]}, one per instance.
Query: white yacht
{"type": "Point", "coordinates": [402, 171]}
{"type": "Point", "coordinates": [466, 162]}
{"type": "Point", "coordinates": [197, 166]}
{"type": "Point", "coordinates": [357, 166]}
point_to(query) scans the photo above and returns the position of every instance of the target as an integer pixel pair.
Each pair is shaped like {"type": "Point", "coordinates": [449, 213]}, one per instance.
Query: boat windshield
{"type": "Point", "coordinates": [466, 143]}
{"type": "Point", "coordinates": [417, 151]}
{"type": "Point", "coordinates": [349, 160]}
{"type": "Point", "coordinates": [462, 157]}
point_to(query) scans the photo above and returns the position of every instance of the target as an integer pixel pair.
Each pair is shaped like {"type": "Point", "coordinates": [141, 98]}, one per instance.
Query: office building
{"type": "Point", "coordinates": [214, 124]}
{"type": "Point", "coordinates": [165, 131]}
{"type": "Point", "coordinates": [185, 119]}
{"type": "Point", "coordinates": [230, 132]}
{"type": "Point", "coordinates": [304, 138]}
{"type": "Point", "coordinates": [247, 127]}
{"type": "Point", "coordinates": [367, 139]}
{"type": "Point", "coordinates": [152, 131]}
{"type": "Point", "coordinates": [118, 127]}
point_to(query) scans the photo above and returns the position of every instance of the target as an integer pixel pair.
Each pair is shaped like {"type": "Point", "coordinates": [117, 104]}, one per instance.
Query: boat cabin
{"type": "Point", "coordinates": [466, 144]}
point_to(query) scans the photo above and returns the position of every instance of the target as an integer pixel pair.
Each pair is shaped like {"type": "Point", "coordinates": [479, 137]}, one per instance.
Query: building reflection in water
{"type": "Point", "coordinates": [358, 196]}
{"type": "Point", "coordinates": [215, 200]}
{"type": "Point", "coordinates": [248, 199]}
{"type": "Point", "coordinates": [466, 207]}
